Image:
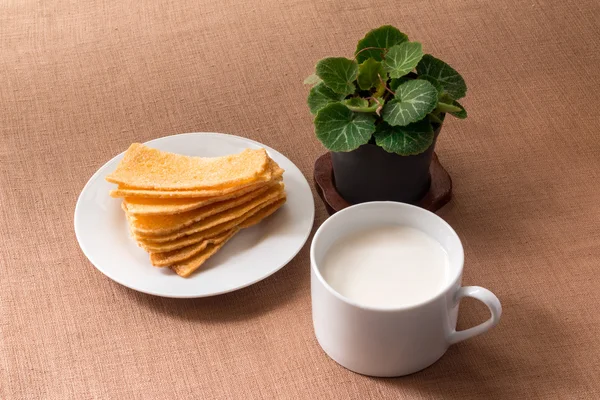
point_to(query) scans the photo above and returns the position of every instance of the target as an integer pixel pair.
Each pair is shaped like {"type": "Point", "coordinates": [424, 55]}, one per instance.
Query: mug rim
{"type": "Point", "coordinates": [452, 281]}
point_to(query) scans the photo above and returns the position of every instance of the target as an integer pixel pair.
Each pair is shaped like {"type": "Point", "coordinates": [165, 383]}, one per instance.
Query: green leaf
{"type": "Point", "coordinates": [402, 58]}
{"type": "Point", "coordinates": [340, 129]}
{"type": "Point", "coordinates": [442, 94]}
{"type": "Point", "coordinates": [358, 104]}
{"type": "Point", "coordinates": [380, 90]}
{"type": "Point", "coordinates": [413, 101]}
{"type": "Point", "coordinates": [394, 83]}
{"type": "Point", "coordinates": [437, 71]}
{"type": "Point", "coordinates": [312, 80]}
{"type": "Point", "coordinates": [320, 96]}
{"type": "Point", "coordinates": [447, 108]}
{"type": "Point", "coordinates": [338, 73]}
{"type": "Point", "coordinates": [369, 73]}
{"type": "Point", "coordinates": [462, 114]}
{"type": "Point", "coordinates": [380, 39]}
{"type": "Point", "coordinates": [405, 140]}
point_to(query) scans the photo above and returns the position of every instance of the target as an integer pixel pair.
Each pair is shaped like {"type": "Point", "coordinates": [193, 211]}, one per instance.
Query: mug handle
{"type": "Point", "coordinates": [486, 297]}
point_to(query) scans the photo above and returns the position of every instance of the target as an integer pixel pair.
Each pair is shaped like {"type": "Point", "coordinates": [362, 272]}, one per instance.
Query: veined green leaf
{"type": "Point", "coordinates": [312, 79]}
{"type": "Point", "coordinates": [338, 73]}
{"type": "Point", "coordinates": [442, 94]}
{"type": "Point", "coordinates": [413, 101]}
{"type": "Point", "coordinates": [437, 71]}
{"type": "Point", "coordinates": [402, 58]}
{"type": "Point", "coordinates": [379, 39]}
{"type": "Point", "coordinates": [340, 129]}
{"type": "Point", "coordinates": [358, 104]}
{"type": "Point", "coordinates": [369, 73]}
{"type": "Point", "coordinates": [320, 96]}
{"type": "Point", "coordinates": [407, 140]}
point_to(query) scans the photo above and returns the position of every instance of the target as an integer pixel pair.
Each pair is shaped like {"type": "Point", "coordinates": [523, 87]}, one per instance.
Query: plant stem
{"type": "Point", "coordinates": [379, 105]}
{"type": "Point", "coordinates": [434, 118]}
{"type": "Point", "coordinates": [385, 85]}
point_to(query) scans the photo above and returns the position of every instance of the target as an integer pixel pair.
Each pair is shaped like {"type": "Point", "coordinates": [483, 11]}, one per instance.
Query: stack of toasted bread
{"type": "Point", "coordinates": [183, 209]}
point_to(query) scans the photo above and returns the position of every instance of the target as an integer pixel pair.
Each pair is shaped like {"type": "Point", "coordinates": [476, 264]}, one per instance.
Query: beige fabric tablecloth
{"type": "Point", "coordinates": [81, 80]}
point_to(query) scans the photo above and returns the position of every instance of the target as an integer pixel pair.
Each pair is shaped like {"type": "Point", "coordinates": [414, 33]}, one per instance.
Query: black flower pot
{"type": "Point", "coordinates": [370, 173]}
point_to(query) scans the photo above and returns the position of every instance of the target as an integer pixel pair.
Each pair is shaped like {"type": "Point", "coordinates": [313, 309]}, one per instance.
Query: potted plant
{"type": "Point", "coordinates": [380, 114]}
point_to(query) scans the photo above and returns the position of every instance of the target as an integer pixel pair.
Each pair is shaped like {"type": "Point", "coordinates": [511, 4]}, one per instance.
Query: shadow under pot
{"type": "Point", "coordinates": [370, 173]}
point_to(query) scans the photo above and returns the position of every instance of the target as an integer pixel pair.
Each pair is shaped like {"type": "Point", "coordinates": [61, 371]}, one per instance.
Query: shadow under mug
{"type": "Point", "coordinates": [397, 341]}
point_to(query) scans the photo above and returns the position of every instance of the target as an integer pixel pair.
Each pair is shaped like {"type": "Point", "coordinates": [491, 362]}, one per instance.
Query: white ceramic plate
{"type": "Point", "coordinates": [250, 256]}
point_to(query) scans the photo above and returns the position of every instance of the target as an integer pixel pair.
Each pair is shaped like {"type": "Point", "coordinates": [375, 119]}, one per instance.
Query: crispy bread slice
{"type": "Point", "coordinates": [178, 256]}
{"type": "Point", "coordinates": [140, 206]}
{"type": "Point", "coordinates": [143, 167]}
{"type": "Point", "coordinates": [165, 224]}
{"type": "Point", "coordinates": [254, 216]}
{"type": "Point", "coordinates": [185, 268]}
{"type": "Point", "coordinates": [126, 191]}
{"type": "Point", "coordinates": [216, 219]}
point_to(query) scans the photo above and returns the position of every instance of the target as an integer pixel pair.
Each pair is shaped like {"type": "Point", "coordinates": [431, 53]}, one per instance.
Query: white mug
{"type": "Point", "coordinates": [391, 341]}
